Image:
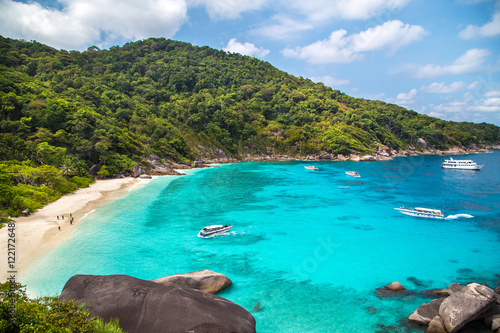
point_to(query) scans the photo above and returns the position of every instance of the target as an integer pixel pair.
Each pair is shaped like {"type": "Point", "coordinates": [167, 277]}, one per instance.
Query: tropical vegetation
{"type": "Point", "coordinates": [20, 313]}
{"type": "Point", "coordinates": [62, 112]}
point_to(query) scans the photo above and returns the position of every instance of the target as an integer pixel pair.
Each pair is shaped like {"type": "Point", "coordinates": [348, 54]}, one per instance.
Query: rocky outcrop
{"type": "Point", "coordinates": [354, 157]}
{"type": "Point", "coordinates": [205, 280]}
{"type": "Point", "coordinates": [160, 168]}
{"type": "Point", "coordinates": [465, 304]}
{"type": "Point", "coordinates": [94, 170]}
{"type": "Point", "coordinates": [137, 170]}
{"type": "Point", "coordinates": [146, 306]}
{"type": "Point", "coordinates": [217, 155]}
{"type": "Point", "coordinates": [422, 143]}
{"type": "Point", "coordinates": [436, 326]}
{"type": "Point", "coordinates": [366, 158]}
{"type": "Point", "coordinates": [426, 312]}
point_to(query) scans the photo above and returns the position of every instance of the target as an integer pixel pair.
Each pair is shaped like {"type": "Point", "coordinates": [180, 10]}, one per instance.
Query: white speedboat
{"type": "Point", "coordinates": [353, 173]}
{"type": "Point", "coordinates": [461, 164]}
{"type": "Point", "coordinates": [212, 230]}
{"type": "Point", "coordinates": [422, 212]}
{"type": "Point", "coordinates": [311, 167]}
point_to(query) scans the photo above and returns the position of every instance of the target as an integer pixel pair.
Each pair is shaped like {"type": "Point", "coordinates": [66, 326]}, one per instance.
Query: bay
{"type": "Point", "coordinates": [308, 248]}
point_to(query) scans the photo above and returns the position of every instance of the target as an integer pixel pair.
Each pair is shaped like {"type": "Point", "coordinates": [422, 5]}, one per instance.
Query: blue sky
{"type": "Point", "coordinates": [437, 57]}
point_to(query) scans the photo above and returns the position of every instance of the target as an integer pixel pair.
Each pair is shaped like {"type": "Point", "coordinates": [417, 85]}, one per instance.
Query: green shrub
{"type": "Point", "coordinates": [18, 313]}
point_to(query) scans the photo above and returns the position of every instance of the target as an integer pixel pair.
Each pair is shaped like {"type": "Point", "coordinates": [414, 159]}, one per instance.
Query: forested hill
{"type": "Point", "coordinates": [113, 108]}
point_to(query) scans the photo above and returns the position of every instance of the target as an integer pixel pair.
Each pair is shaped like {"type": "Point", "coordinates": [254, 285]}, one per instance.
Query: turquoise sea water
{"type": "Point", "coordinates": [304, 255]}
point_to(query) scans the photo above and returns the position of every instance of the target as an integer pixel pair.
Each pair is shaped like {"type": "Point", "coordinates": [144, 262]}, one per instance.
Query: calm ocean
{"type": "Point", "coordinates": [304, 255]}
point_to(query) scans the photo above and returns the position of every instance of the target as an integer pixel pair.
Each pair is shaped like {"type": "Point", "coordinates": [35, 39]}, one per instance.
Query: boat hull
{"type": "Point", "coordinates": [419, 214]}
{"type": "Point", "coordinates": [352, 173]}
{"type": "Point", "coordinates": [213, 233]}
{"type": "Point", "coordinates": [475, 168]}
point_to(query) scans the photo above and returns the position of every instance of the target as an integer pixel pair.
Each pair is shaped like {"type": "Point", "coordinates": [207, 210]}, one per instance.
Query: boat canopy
{"type": "Point", "coordinates": [428, 210]}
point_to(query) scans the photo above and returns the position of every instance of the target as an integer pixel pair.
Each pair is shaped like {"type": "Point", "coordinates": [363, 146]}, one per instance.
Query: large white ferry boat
{"type": "Point", "coordinates": [212, 230]}
{"type": "Point", "coordinates": [422, 212]}
{"type": "Point", "coordinates": [461, 164]}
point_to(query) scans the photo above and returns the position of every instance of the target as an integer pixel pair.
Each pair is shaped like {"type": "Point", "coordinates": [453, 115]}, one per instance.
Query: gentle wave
{"type": "Point", "coordinates": [87, 214]}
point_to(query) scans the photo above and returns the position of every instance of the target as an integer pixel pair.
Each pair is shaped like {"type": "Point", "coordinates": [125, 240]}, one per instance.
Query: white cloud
{"type": "Point", "coordinates": [490, 102]}
{"type": "Point", "coordinates": [404, 99]}
{"type": "Point", "coordinates": [299, 15]}
{"type": "Point", "coordinates": [490, 29]}
{"type": "Point", "coordinates": [82, 23]}
{"type": "Point", "coordinates": [474, 85]}
{"type": "Point", "coordinates": [245, 48]}
{"type": "Point", "coordinates": [469, 107]}
{"type": "Point", "coordinates": [341, 48]}
{"type": "Point", "coordinates": [470, 62]}
{"type": "Point", "coordinates": [492, 93]}
{"type": "Point", "coordinates": [442, 88]}
{"type": "Point", "coordinates": [331, 81]}
{"type": "Point", "coordinates": [346, 9]}
{"type": "Point", "coordinates": [228, 9]}
{"type": "Point", "coordinates": [392, 34]}
{"type": "Point", "coordinates": [284, 28]}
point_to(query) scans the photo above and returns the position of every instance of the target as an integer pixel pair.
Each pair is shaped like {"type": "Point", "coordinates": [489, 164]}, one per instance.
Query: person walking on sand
{"type": "Point", "coordinates": [59, 227]}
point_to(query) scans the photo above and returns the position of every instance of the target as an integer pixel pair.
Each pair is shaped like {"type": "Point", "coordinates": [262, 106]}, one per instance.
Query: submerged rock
{"type": "Point", "coordinates": [205, 280]}
{"type": "Point", "coordinates": [146, 306]}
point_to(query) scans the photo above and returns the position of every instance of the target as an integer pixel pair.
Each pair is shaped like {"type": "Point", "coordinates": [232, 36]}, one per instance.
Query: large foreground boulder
{"type": "Point", "coordinates": [146, 306]}
{"type": "Point", "coordinates": [466, 305]}
{"type": "Point", "coordinates": [461, 305]}
{"type": "Point", "coordinates": [205, 280]}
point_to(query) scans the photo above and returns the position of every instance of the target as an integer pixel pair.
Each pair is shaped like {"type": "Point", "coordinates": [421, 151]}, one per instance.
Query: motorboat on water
{"type": "Point", "coordinates": [212, 230]}
{"type": "Point", "coordinates": [311, 167]}
{"type": "Point", "coordinates": [422, 212]}
{"type": "Point", "coordinates": [353, 173]}
{"type": "Point", "coordinates": [461, 164]}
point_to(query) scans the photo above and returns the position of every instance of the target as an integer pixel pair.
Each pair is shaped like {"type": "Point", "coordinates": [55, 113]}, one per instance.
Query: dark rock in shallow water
{"type": "Point", "coordinates": [146, 306]}
{"type": "Point", "coordinates": [256, 307]}
{"type": "Point", "coordinates": [205, 280]}
{"type": "Point", "coordinates": [419, 283]}
{"type": "Point", "coordinates": [394, 289]}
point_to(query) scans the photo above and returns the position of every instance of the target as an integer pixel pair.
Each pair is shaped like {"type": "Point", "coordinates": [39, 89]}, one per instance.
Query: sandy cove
{"type": "Point", "coordinates": [38, 233]}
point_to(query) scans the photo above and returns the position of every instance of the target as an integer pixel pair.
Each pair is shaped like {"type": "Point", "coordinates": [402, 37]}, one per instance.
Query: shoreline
{"type": "Point", "coordinates": [381, 154]}
{"type": "Point", "coordinates": [39, 233]}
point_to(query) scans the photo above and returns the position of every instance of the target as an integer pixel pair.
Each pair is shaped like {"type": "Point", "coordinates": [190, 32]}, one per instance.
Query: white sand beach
{"type": "Point", "coordinates": [38, 233]}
